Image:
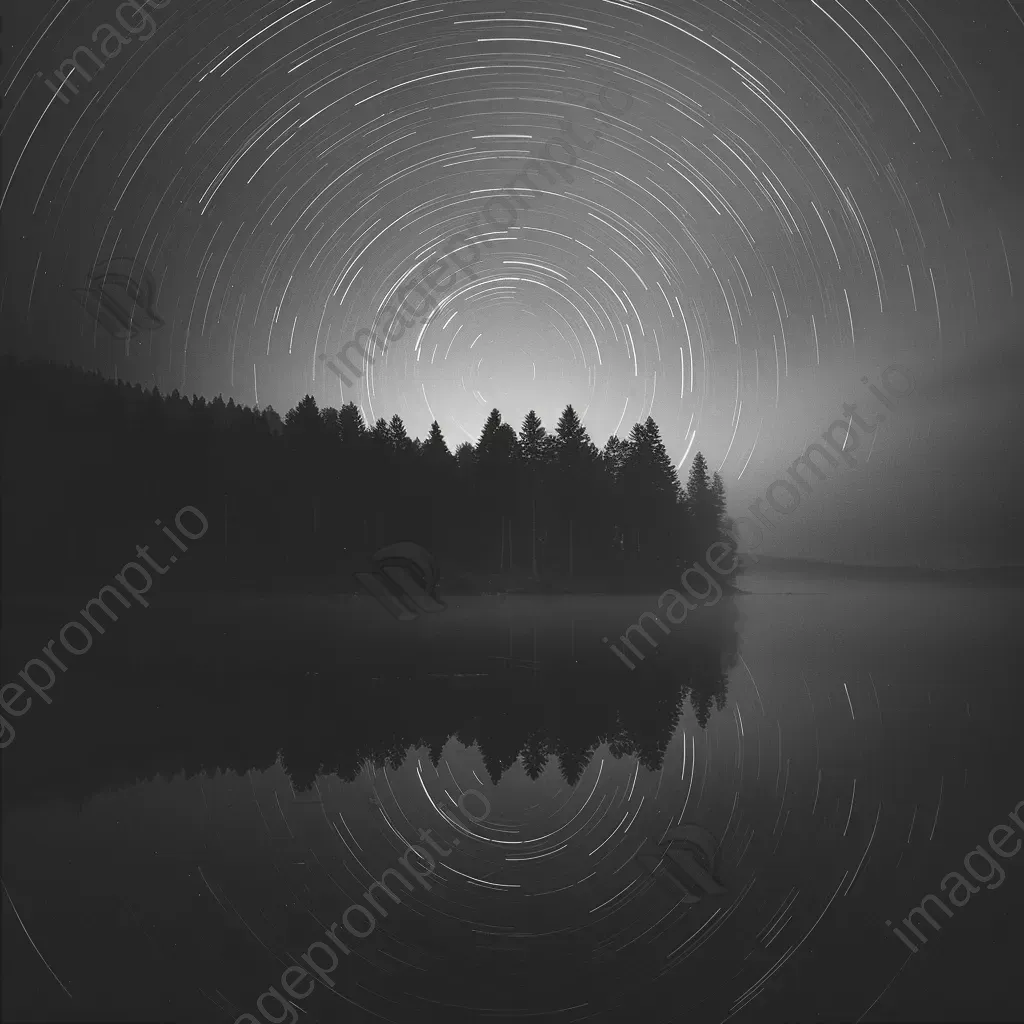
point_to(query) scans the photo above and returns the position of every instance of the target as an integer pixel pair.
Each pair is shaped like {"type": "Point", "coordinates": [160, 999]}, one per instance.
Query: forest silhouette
{"type": "Point", "coordinates": [91, 462]}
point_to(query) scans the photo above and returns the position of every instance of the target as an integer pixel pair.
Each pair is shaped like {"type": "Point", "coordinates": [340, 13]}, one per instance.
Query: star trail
{"type": "Point", "coordinates": [770, 192]}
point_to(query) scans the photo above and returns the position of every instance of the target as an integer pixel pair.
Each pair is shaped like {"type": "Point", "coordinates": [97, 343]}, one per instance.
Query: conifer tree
{"type": "Point", "coordinates": [531, 438]}
{"type": "Point", "coordinates": [465, 456]}
{"type": "Point", "coordinates": [718, 504]}
{"type": "Point", "coordinates": [351, 427]}
{"type": "Point", "coordinates": [663, 477]}
{"type": "Point", "coordinates": [488, 436]}
{"type": "Point", "coordinates": [380, 434]}
{"type": "Point", "coordinates": [434, 448]}
{"type": "Point", "coordinates": [398, 435]}
{"type": "Point", "coordinates": [698, 485]}
{"type": "Point", "coordinates": [535, 449]}
{"type": "Point", "coordinates": [573, 444]}
{"type": "Point", "coordinates": [702, 508]}
{"type": "Point", "coordinates": [304, 419]}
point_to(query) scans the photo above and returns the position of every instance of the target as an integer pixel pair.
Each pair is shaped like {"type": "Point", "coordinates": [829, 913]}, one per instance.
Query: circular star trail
{"type": "Point", "coordinates": [723, 196]}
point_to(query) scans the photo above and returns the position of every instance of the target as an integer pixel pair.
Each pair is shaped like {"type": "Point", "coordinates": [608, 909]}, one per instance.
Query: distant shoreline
{"type": "Point", "coordinates": [1005, 575]}
{"type": "Point", "coordinates": [469, 584]}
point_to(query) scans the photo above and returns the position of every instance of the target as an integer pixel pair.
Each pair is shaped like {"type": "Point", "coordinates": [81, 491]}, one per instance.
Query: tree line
{"type": "Point", "coordinates": [315, 493]}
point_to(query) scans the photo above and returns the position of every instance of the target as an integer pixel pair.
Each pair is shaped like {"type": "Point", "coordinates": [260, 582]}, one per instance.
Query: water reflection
{"type": "Point", "coordinates": [329, 719]}
{"type": "Point", "coordinates": [845, 759]}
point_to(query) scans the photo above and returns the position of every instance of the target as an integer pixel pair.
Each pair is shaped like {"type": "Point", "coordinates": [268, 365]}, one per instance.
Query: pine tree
{"type": "Point", "coordinates": [573, 442]}
{"type": "Point", "coordinates": [275, 425]}
{"type": "Point", "coordinates": [532, 435]}
{"type": "Point", "coordinates": [506, 444]}
{"type": "Point", "coordinates": [576, 485]}
{"type": "Point", "coordinates": [398, 435]}
{"type": "Point", "coordinates": [380, 435]}
{"type": "Point", "coordinates": [701, 503]}
{"type": "Point", "coordinates": [331, 422]}
{"type": "Point", "coordinates": [465, 456]}
{"type": "Point", "coordinates": [718, 504]}
{"type": "Point", "coordinates": [535, 446]}
{"type": "Point", "coordinates": [650, 493]}
{"type": "Point", "coordinates": [488, 436]}
{"type": "Point", "coordinates": [724, 525]}
{"type": "Point", "coordinates": [350, 424]}
{"type": "Point", "coordinates": [303, 420]}
{"type": "Point", "coordinates": [304, 432]}
{"type": "Point", "coordinates": [614, 455]}
{"type": "Point", "coordinates": [436, 485]}
{"type": "Point", "coordinates": [434, 448]}
{"type": "Point", "coordinates": [663, 477]}
{"type": "Point", "coordinates": [698, 486]}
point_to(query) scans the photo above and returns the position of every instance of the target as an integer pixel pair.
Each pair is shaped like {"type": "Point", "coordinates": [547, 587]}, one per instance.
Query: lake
{"type": "Point", "coordinates": [220, 777]}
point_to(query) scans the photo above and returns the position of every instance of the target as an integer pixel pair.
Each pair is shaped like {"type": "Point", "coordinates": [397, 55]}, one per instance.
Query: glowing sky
{"type": "Point", "coordinates": [794, 195]}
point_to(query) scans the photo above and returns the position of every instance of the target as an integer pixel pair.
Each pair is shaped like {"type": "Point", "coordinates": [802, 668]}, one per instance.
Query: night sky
{"type": "Point", "coordinates": [780, 199]}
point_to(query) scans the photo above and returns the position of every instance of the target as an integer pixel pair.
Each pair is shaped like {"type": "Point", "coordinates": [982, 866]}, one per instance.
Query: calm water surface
{"type": "Point", "coordinates": [218, 779]}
